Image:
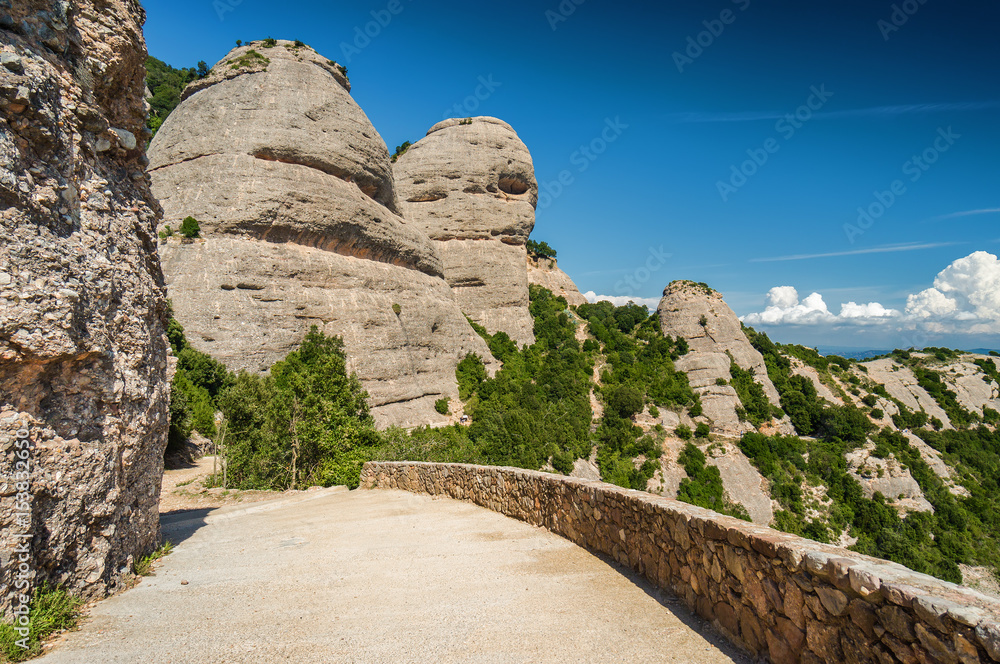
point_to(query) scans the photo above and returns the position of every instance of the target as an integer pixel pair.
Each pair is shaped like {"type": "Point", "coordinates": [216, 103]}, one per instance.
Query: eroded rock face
{"type": "Point", "coordinates": [888, 477]}
{"type": "Point", "coordinates": [294, 192]}
{"type": "Point", "coordinates": [714, 334]}
{"type": "Point", "coordinates": [901, 384]}
{"type": "Point", "coordinates": [83, 355]}
{"type": "Point", "coordinates": [248, 303]}
{"type": "Point", "coordinates": [471, 187]}
{"type": "Point", "coordinates": [545, 272]}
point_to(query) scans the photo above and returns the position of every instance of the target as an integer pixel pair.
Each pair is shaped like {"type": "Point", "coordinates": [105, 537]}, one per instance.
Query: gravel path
{"type": "Point", "coordinates": [381, 576]}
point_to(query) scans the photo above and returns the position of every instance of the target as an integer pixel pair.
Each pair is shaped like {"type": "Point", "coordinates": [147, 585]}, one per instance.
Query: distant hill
{"type": "Point", "coordinates": [855, 353]}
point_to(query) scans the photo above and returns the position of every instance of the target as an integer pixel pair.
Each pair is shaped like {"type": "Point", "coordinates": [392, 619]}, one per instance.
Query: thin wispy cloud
{"type": "Point", "coordinates": [886, 249]}
{"type": "Point", "coordinates": [969, 213]}
{"type": "Point", "coordinates": [694, 117]}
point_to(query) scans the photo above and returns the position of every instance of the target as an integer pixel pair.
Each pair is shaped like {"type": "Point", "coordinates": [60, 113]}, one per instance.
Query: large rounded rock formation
{"type": "Point", "coordinates": [716, 339]}
{"type": "Point", "coordinates": [83, 354]}
{"type": "Point", "coordinates": [294, 193]}
{"type": "Point", "coordinates": [470, 185]}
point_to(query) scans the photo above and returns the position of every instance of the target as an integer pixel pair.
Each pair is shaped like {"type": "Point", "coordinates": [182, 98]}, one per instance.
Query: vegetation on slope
{"type": "Point", "coordinates": [307, 423]}
{"type": "Point", "coordinates": [960, 529]}
{"type": "Point", "coordinates": [166, 84]}
{"type": "Point", "coordinates": [540, 250]}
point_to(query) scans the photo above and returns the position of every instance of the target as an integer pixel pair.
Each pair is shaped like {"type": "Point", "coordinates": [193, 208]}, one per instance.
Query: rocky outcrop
{"type": "Point", "coordinates": [83, 355]}
{"type": "Point", "coordinates": [545, 272]}
{"type": "Point", "coordinates": [715, 336]}
{"type": "Point", "coordinates": [295, 195]}
{"type": "Point", "coordinates": [470, 185]}
{"type": "Point", "coordinates": [973, 390]}
{"type": "Point", "coordinates": [248, 303]}
{"type": "Point", "coordinates": [886, 476]}
{"type": "Point", "coordinates": [901, 384]}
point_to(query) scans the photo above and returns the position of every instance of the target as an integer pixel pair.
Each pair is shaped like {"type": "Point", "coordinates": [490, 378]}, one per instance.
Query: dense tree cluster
{"type": "Point", "coordinates": [166, 83]}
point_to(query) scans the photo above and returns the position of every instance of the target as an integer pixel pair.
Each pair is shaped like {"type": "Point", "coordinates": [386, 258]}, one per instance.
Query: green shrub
{"type": "Point", "coordinates": [563, 462]}
{"type": "Point", "coordinates": [703, 484]}
{"type": "Point", "coordinates": [166, 83]}
{"type": "Point", "coordinates": [721, 382]}
{"type": "Point", "coordinates": [877, 413]}
{"type": "Point", "coordinates": [190, 228]}
{"type": "Point", "coordinates": [51, 610]}
{"type": "Point", "coordinates": [397, 309]}
{"type": "Point", "coordinates": [306, 423]}
{"type": "Point", "coordinates": [702, 430]}
{"type": "Point", "coordinates": [654, 412]}
{"type": "Point", "coordinates": [166, 232]}
{"type": "Point", "coordinates": [755, 404]}
{"type": "Point", "coordinates": [540, 249]}
{"type": "Point", "coordinates": [144, 566]}
{"type": "Point", "coordinates": [251, 58]}
{"type": "Point", "coordinates": [684, 432]}
{"type": "Point", "coordinates": [441, 405]}
{"type": "Point", "coordinates": [400, 149]}
{"type": "Point", "coordinates": [470, 374]}
{"type": "Point", "coordinates": [270, 43]}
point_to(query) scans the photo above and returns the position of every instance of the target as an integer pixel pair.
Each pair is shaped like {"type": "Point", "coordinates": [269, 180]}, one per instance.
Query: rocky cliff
{"type": "Point", "coordinates": [545, 272]}
{"type": "Point", "coordinates": [470, 185]}
{"type": "Point", "coordinates": [715, 336]}
{"type": "Point", "coordinates": [300, 220]}
{"type": "Point", "coordinates": [83, 355]}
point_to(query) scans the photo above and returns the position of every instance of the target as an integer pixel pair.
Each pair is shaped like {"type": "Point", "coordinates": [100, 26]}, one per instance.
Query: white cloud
{"type": "Point", "coordinates": [784, 308]}
{"type": "Point", "coordinates": [872, 310]}
{"type": "Point", "coordinates": [965, 299]}
{"type": "Point", "coordinates": [622, 300]}
{"type": "Point", "coordinates": [967, 291]}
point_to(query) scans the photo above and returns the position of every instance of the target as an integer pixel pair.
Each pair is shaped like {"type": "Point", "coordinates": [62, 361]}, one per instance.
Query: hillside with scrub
{"type": "Point", "coordinates": [896, 457]}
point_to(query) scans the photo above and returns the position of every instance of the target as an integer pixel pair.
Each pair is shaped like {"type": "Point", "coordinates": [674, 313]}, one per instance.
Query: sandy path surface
{"type": "Point", "coordinates": [382, 576]}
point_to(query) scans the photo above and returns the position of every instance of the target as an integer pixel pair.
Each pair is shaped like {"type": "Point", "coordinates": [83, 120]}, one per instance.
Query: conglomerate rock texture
{"type": "Point", "coordinates": [470, 185]}
{"type": "Point", "coordinates": [294, 192]}
{"type": "Point", "coordinates": [715, 337]}
{"type": "Point", "coordinates": [83, 355]}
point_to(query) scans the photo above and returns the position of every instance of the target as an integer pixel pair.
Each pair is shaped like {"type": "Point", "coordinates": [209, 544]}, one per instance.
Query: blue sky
{"type": "Point", "coordinates": [731, 142]}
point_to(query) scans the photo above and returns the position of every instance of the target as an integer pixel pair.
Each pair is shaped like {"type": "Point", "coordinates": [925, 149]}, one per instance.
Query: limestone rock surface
{"type": "Point", "coordinates": [470, 185]}
{"type": "Point", "coordinates": [545, 272]}
{"type": "Point", "coordinates": [713, 332]}
{"type": "Point", "coordinates": [83, 354]}
{"type": "Point", "coordinates": [295, 195]}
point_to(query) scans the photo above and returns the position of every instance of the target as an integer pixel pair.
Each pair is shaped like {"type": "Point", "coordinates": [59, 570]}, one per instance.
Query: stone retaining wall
{"type": "Point", "coordinates": [779, 596]}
